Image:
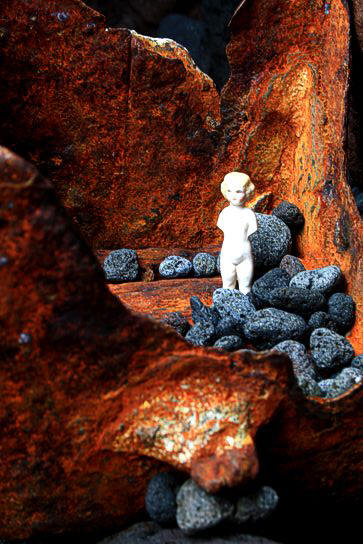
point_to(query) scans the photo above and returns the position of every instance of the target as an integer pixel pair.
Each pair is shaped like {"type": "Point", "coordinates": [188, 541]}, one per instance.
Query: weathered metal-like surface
{"type": "Point", "coordinates": [285, 112]}
{"type": "Point", "coordinates": [88, 390]}
{"type": "Point", "coordinates": [93, 397]}
{"type": "Point", "coordinates": [122, 124]}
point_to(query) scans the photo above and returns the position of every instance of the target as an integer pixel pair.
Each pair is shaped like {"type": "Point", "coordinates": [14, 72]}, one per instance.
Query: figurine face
{"type": "Point", "coordinates": [235, 193]}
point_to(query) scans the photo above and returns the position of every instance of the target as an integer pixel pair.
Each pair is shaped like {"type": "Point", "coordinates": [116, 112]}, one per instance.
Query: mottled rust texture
{"type": "Point", "coordinates": [122, 124]}
{"type": "Point", "coordinates": [92, 397]}
{"type": "Point", "coordinates": [285, 112]}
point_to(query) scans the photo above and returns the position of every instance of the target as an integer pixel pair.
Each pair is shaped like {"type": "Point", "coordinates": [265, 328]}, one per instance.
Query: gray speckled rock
{"type": "Point", "coordinates": [341, 309]}
{"type": "Point", "coordinates": [324, 279]}
{"type": "Point", "coordinates": [178, 321]}
{"type": "Point", "coordinates": [329, 350]}
{"type": "Point", "coordinates": [200, 312]}
{"type": "Point", "coordinates": [295, 299]}
{"type": "Point", "coordinates": [292, 265]}
{"type": "Point", "coordinates": [289, 214]}
{"type": "Point", "coordinates": [357, 362]}
{"type": "Point", "coordinates": [271, 241]}
{"type": "Point", "coordinates": [267, 327]}
{"type": "Point", "coordinates": [175, 267]}
{"type": "Point", "coordinates": [342, 382]}
{"type": "Point", "coordinates": [232, 303]}
{"type": "Point", "coordinates": [121, 265]}
{"type": "Point", "coordinates": [204, 264]}
{"type": "Point", "coordinates": [256, 506]}
{"type": "Point", "coordinates": [198, 510]}
{"type": "Point", "coordinates": [160, 497]}
{"type": "Point", "coordinates": [318, 320]}
{"type": "Point", "coordinates": [228, 327]}
{"type": "Point", "coordinates": [202, 334]}
{"type": "Point", "coordinates": [229, 343]}
{"type": "Point", "coordinates": [303, 368]}
{"type": "Point", "coordinates": [262, 287]}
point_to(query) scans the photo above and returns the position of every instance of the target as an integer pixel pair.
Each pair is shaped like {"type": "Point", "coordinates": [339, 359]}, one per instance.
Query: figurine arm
{"type": "Point", "coordinates": [220, 222]}
{"type": "Point", "coordinates": [252, 227]}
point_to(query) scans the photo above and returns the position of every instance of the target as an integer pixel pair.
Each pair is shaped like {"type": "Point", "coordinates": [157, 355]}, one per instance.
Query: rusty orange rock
{"type": "Point", "coordinates": [95, 399]}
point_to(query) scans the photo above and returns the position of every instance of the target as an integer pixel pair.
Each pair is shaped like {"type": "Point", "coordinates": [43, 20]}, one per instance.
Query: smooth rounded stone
{"type": "Point", "coordinates": [232, 303]}
{"type": "Point", "coordinates": [357, 362]}
{"type": "Point", "coordinates": [320, 319]}
{"type": "Point", "coordinates": [256, 506]}
{"type": "Point", "coordinates": [202, 334]}
{"type": "Point", "coordinates": [329, 350]}
{"type": "Point", "coordinates": [198, 510]}
{"type": "Point", "coordinates": [270, 242]}
{"type": "Point", "coordinates": [269, 326]}
{"type": "Point", "coordinates": [229, 343]}
{"type": "Point", "coordinates": [341, 383]}
{"type": "Point", "coordinates": [292, 265]}
{"type": "Point", "coordinates": [324, 279]}
{"type": "Point", "coordinates": [228, 327]}
{"type": "Point", "coordinates": [121, 265]}
{"type": "Point", "coordinates": [178, 321]}
{"type": "Point", "coordinates": [261, 288]}
{"type": "Point", "coordinates": [341, 309]}
{"type": "Point", "coordinates": [295, 299]}
{"type": "Point", "coordinates": [204, 264]}
{"type": "Point", "coordinates": [175, 267]}
{"type": "Point", "coordinates": [289, 214]}
{"type": "Point", "coordinates": [308, 385]}
{"type": "Point", "coordinates": [160, 497]}
{"type": "Point", "coordinates": [201, 312]}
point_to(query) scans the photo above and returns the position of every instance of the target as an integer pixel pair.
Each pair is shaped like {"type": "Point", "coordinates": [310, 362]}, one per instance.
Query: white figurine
{"type": "Point", "coordinates": [237, 224]}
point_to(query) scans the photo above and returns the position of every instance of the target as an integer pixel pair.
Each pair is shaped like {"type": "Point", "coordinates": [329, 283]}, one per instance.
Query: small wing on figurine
{"type": "Point", "coordinates": [220, 222]}
{"type": "Point", "coordinates": [252, 227]}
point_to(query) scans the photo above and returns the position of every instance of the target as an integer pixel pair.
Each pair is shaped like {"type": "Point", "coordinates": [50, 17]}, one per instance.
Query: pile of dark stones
{"type": "Point", "coordinates": [303, 313]}
{"type": "Point", "coordinates": [170, 501]}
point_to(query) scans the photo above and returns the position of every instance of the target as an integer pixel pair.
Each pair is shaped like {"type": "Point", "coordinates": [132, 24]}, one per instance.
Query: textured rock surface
{"type": "Point", "coordinates": [270, 242]}
{"type": "Point", "coordinates": [296, 300]}
{"type": "Point", "coordinates": [175, 267]}
{"type": "Point", "coordinates": [198, 510]}
{"type": "Point", "coordinates": [234, 304]}
{"type": "Point", "coordinates": [266, 327]}
{"type": "Point", "coordinates": [121, 265]}
{"type": "Point", "coordinates": [330, 350]}
{"type": "Point", "coordinates": [341, 309]}
{"type": "Point", "coordinates": [292, 265]}
{"type": "Point", "coordinates": [289, 214]}
{"type": "Point", "coordinates": [229, 343]}
{"type": "Point", "coordinates": [325, 280]}
{"type": "Point", "coordinates": [262, 287]}
{"type": "Point", "coordinates": [160, 497]}
{"type": "Point", "coordinates": [257, 505]}
{"type": "Point", "coordinates": [178, 321]}
{"type": "Point", "coordinates": [204, 264]}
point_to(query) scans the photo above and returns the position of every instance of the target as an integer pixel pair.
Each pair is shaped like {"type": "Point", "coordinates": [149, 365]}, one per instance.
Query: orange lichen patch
{"type": "Point", "coordinates": [289, 77]}
{"type": "Point", "coordinates": [160, 297]}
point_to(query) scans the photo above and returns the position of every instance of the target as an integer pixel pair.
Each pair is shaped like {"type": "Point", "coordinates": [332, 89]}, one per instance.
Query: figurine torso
{"type": "Point", "coordinates": [237, 223]}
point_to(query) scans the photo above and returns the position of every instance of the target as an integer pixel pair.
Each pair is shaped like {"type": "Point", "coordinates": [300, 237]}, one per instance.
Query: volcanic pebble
{"type": "Point", "coordinates": [270, 242]}
{"type": "Point", "coordinates": [228, 327]}
{"type": "Point", "coordinates": [160, 498]}
{"type": "Point", "coordinates": [289, 214]}
{"type": "Point", "coordinates": [232, 303]}
{"type": "Point", "coordinates": [341, 309]}
{"type": "Point", "coordinates": [256, 506]}
{"type": "Point", "coordinates": [262, 287]}
{"type": "Point", "coordinates": [292, 265]}
{"type": "Point", "coordinates": [357, 362]}
{"type": "Point", "coordinates": [178, 321]}
{"type": "Point", "coordinates": [175, 267]}
{"type": "Point", "coordinates": [121, 265]}
{"type": "Point", "coordinates": [329, 350]}
{"type": "Point", "coordinates": [320, 319]}
{"type": "Point", "coordinates": [266, 327]}
{"type": "Point", "coordinates": [229, 343]}
{"type": "Point", "coordinates": [324, 279]}
{"type": "Point", "coordinates": [342, 382]}
{"type": "Point", "coordinates": [201, 312]}
{"type": "Point", "coordinates": [204, 264]}
{"type": "Point", "coordinates": [202, 334]}
{"type": "Point", "coordinates": [198, 510]}
{"type": "Point", "coordinates": [296, 299]}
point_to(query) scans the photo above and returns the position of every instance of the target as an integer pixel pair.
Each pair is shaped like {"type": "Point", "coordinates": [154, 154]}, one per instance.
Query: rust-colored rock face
{"type": "Point", "coordinates": [122, 124]}
{"type": "Point", "coordinates": [285, 106]}
{"type": "Point", "coordinates": [93, 398]}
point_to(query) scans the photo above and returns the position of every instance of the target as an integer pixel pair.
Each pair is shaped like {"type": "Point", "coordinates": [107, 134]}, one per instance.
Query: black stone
{"type": "Point", "coordinates": [160, 498]}
{"type": "Point", "coordinates": [289, 214]}
{"type": "Point", "coordinates": [178, 321]}
{"type": "Point", "coordinates": [262, 287]}
{"type": "Point", "coordinates": [265, 328]}
{"type": "Point", "coordinates": [341, 309]}
{"type": "Point", "coordinates": [201, 312]}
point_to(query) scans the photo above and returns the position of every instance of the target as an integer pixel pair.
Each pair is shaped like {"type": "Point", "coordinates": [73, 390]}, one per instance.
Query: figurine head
{"type": "Point", "coordinates": [237, 188]}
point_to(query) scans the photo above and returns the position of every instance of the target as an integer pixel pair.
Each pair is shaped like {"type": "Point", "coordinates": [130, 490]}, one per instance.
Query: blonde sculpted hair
{"type": "Point", "coordinates": [243, 179]}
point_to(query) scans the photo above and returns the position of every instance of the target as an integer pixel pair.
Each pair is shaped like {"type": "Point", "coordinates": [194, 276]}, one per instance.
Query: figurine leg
{"type": "Point", "coordinates": [229, 274]}
{"type": "Point", "coordinates": [244, 275]}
